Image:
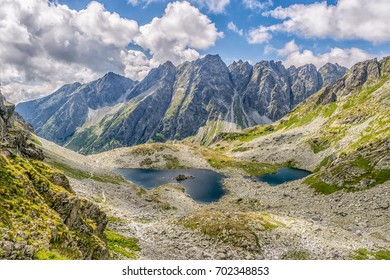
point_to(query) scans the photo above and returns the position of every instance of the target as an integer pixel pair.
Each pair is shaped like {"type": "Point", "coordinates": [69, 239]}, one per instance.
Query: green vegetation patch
{"type": "Point", "coordinates": [81, 174]}
{"type": "Point", "coordinates": [150, 149]}
{"type": "Point", "coordinates": [28, 212]}
{"type": "Point", "coordinates": [236, 229]}
{"type": "Point", "coordinates": [352, 172]}
{"type": "Point", "coordinates": [125, 247]}
{"type": "Point", "coordinates": [172, 162]}
{"type": "Point", "coordinates": [296, 255]}
{"type": "Point", "coordinates": [248, 134]}
{"type": "Point", "coordinates": [319, 144]}
{"type": "Point", "coordinates": [320, 186]}
{"type": "Point", "coordinates": [36, 141]}
{"type": "Point", "coordinates": [364, 254]}
{"type": "Point", "coordinates": [48, 255]}
{"type": "Point", "coordinates": [218, 160]}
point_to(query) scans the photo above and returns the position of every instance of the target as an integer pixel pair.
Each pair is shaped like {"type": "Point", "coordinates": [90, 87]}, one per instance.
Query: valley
{"type": "Point", "coordinates": [252, 221]}
{"type": "Point", "coordinates": [341, 211]}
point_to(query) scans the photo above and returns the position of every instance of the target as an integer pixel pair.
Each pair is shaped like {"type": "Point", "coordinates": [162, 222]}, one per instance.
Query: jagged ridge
{"type": "Point", "coordinates": [202, 98]}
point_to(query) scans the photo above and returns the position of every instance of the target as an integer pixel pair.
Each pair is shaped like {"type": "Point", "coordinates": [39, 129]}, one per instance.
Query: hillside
{"type": "Point", "coordinates": [40, 215]}
{"type": "Point", "coordinates": [341, 133]}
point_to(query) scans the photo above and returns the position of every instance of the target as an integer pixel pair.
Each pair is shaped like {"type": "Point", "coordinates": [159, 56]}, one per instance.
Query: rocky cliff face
{"type": "Point", "coordinates": [202, 92]}
{"type": "Point", "coordinates": [203, 98]}
{"type": "Point", "coordinates": [40, 217]}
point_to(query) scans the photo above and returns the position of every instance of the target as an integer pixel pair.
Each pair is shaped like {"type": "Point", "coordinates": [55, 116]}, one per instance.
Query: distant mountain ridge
{"type": "Point", "coordinates": [200, 98]}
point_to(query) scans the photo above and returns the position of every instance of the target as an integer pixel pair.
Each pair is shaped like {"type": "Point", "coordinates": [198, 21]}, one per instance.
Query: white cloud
{"type": "Point", "coordinates": [255, 4]}
{"type": "Point", "coordinates": [178, 34]}
{"type": "Point", "coordinates": [215, 6]}
{"type": "Point", "coordinates": [348, 19]}
{"type": "Point", "coordinates": [259, 35]}
{"type": "Point", "coordinates": [346, 57]}
{"type": "Point", "coordinates": [231, 26]}
{"type": "Point", "coordinates": [137, 64]}
{"type": "Point", "coordinates": [45, 45]}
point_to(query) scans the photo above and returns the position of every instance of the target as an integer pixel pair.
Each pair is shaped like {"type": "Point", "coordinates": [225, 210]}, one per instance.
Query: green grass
{"type": "Point", "coordinates": [28, 205]}
{"type": "Point", "coordinates": [318, 145]}
{"type": "Point", "coordinates": [36, 141]}
{"type": "Point", "coordinates": [323, 163]}
{"type": "Point", "coordinates": [248, 134]}
{"type": "Point", "coordinates": [81, 174]}
{"type": "Point", "coordinates": [151, 149]}
{"type": "Point", "coordinates": [172, 162]}
{"type": "Point", "coordinates": [296, 255]}
{"type": "Point", "coordinates": [116, 220]}
{"type": "Point", "coordinates": [320, 186]}
{"type": "Point", "coordinates": [329, 110]}
{"type": "Point", "coordinates": [220, 161]}
{"type": "Point", "coordinates": [48, 255]}
{"type": "Point", "coordinates": [235, 229]}
{"type": "Point", "coordinates": [362, 163]}
{"type": "Point", "coordinates": [125, 246]}
{"type": "Point", "coordinates": [166, 206]}
{"type": "Point", "coordinates": [364, 254]}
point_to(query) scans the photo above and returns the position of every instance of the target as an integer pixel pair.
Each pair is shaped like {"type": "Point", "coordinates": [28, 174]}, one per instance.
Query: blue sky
{"type": "Point", "coordinates": [233, 46]}
{"type": "Point", "coordinates": [50, 43]}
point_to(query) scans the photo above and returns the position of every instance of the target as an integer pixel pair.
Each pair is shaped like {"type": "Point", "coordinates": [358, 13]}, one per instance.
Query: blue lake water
{"type": "Point", "coordinates": [284, 175]}
{"type": "Point", "coordinates": [206, 187]}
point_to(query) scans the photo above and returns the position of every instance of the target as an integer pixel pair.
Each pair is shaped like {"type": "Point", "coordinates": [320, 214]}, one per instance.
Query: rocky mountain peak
{"type": "Point", "coordinates": [240, 73]}
{"type": "Point", "coordinates": [167, 65]}
{"type": "Point", "coordinates": [358, 75]}
{"type": "Point", "coordinates": [330, 73]}
{"type": "Point", "coordinates": [211, 58]}
{"type": "Point", "coordinates": [305, 81]}
{"type": "Point", "coordinates": [385, 66]}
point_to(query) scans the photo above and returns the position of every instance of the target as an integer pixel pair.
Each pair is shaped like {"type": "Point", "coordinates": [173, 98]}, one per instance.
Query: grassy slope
{"type": "Point", "coordinates": [354, 166]}
{"type": "Point", "coordinates": [27, 216]}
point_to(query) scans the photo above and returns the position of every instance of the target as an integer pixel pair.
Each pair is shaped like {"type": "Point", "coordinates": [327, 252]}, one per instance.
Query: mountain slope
{"type": "Point", "coordinates": [60, 114]}
{"type": "Point", "coordinates": [342, 132]}
{"type": "Point", "coordinates": [135, 122]}
{"type": "Point", "coordinates": [40, 216]}
{"type": "Point", "coordinates": [200, 98]}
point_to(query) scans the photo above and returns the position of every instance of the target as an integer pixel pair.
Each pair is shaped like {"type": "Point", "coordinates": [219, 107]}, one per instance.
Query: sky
{"type": "Point", "coordinates": [47, 43]}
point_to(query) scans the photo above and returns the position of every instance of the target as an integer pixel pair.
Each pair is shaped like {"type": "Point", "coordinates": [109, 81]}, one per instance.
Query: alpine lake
{"type": "Point", "coordinates": [204, 186]}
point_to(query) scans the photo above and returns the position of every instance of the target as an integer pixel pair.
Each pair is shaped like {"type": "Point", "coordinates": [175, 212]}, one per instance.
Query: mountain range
{"type": "Point", "coordinates": [58, 204]}
{"type": "Point", "coordinates": [198, 99]}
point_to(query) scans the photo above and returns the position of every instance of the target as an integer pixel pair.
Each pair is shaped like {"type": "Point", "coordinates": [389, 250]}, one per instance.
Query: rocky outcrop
{"type": "Point", "coordinates": [331, 73]}
{"type": "Point", "coordinates": [182, 177]}
{"type": "Point", "coordinates": [40, 216]}
{"type": "Point", "coordinates": [362, 74]}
